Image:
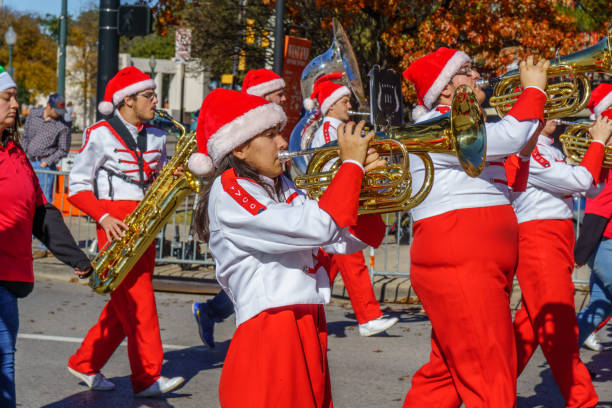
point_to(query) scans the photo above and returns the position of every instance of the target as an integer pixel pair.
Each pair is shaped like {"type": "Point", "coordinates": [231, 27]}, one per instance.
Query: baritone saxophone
{"type": "Point", "coordinates": [167, 192]}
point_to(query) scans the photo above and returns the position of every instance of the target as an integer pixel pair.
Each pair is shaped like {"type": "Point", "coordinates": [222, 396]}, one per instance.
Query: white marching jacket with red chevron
{"type": "Point", "coordinates": [452, 188]}
{"type": "Point", "coordinates": [267, 252]}
{"type": "Point", "coordinates": [103, 148]}
{"type": "Point", "coordinates": [552, 182]}
{"type": "Point", "coordinates": [327, 132]}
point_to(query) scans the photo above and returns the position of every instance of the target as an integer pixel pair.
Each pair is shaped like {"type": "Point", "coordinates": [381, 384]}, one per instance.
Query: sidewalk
{"type": "Point", "coordinates": [171, 278]}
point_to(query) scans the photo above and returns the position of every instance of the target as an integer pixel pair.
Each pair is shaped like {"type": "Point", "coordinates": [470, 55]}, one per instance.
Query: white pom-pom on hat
{"type": "Point", "coordinates": [200, 164]}
{"type": "Point", "coordinates": [106, 108]}
{"type": "Point", "coordinates": [309, 104]}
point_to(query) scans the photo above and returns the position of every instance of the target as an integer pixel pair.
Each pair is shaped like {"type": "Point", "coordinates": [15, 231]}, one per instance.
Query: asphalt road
{"type": "Point", "coordinates": [366, 372]}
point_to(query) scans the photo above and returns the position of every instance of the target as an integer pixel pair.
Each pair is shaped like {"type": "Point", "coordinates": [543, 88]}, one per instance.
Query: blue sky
{"type": "Point", "coordinates": [43, 7]}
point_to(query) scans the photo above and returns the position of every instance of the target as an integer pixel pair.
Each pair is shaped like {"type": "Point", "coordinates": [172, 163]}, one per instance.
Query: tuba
{"type": "Point", "coordinates": [461, 132]}
{"type": "Point", "coordinates": [568, 89]}
{"type": "Point", "coordinates": [117, 258]}
{"type": "Point", "coordinates": [338, 58]}
{"type": "Point", "coordinates": [576, 141]}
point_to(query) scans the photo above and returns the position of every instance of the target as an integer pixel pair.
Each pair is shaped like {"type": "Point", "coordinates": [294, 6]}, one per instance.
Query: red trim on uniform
{"type": "Point", "coordinates": [145, 167]}
{"type": "Point", "coordinates": [87, 202]}
{"type": "Point", "coordinates": [326, 137]}
{"type": "Point", "coordinates": [517, 173]}
{"type": "Point", "coordinates": [292, 197]}
{"type": "Point", "coordinates": [568, 196]}
{"type": "Point", "coordinates": [593, 159]}
{"type": "Point", "coordinates": [369, 229]}
{"type": "Point", "coordinates": [234, 189]}
{"type": "Point", "coordinates": [87, 133]}
{"type": "Point", "coordinates": [539, 158]}
{"type": "Point", "coordinates": [340, 199]}
{"type": "Point", "coordinates": [500, 181]}
{"type": "Point", "coordinates": [443, 109]}
{"type": "Point", "coordinates": [152, 151]}
{"type": "Point", "coordinates": [530, 105]}
{"type": "Point", "coordinates": [495, 163]}
{"type": "Point", "coordinates": [323, 261]}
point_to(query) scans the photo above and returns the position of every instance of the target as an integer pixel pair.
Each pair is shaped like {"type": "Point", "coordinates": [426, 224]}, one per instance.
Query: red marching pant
{"type": "Point", "coordinates": [462, 266]}
{"type": "Point", "coordinates": [356, 278]}
{"type": "Point", "coordinates": [547, 316]}
{"type": "Point", "coordinates": [131, 312]}
{"type": "Point", "coordinates": [278, 359]}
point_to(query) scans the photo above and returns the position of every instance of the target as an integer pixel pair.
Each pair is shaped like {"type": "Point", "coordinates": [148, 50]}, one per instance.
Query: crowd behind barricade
{"type": "Point", "coordinates": [276, 251]}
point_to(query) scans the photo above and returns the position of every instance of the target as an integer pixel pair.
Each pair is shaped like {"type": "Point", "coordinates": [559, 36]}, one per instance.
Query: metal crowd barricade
{"type": "Point", "coordinates": [392, 258]}
{"type": "Point", "coordinates": [175, 243]}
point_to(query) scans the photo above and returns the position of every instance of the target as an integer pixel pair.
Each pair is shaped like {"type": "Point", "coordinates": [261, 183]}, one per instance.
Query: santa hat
{"type": "Point", "coordinates": [601, 99]}
{"type": "Point", "coordinates": [326, 92]}
{"type": "Point", "coordinates": [430, 75]}
{"type": "Point", "coordinates": [6, 82]}
{"type": "Point", "coordinates": [260, 82]}
{"type": "Point", "coordinates": [128, 81]}
{"type": "Point", "coordinates": [227, 120]}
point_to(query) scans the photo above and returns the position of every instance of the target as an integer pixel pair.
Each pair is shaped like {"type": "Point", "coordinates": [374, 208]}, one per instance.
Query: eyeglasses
{"type": "Point", "coordinates": [148, 95]}
{"type": "Point", "coordinates": [467, 71]}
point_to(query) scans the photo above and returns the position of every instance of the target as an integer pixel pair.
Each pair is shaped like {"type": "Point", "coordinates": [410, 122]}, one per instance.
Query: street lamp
{"type": "Point", "coordinates": [152, 64]}
{"type": "Point", "coordinates": [11, 38]}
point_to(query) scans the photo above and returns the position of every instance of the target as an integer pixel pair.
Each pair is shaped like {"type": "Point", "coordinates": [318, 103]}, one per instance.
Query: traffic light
{"type": "Point", "coordinates": [135, 20]}
{"type": "Point", "coordinates": [250, 31]}
{"type": "Point", "coordinates": [242, 61]}
{"type": "Point", "coordinates": [265, 40]}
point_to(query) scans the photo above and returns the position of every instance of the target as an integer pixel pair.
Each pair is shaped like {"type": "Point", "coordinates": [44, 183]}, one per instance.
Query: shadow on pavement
{"type": "Point", "coordinates": [186, 363]}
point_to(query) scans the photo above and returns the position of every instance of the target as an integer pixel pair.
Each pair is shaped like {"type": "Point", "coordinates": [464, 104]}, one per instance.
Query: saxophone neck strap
{"type": "Point", "coordinates": [128, 140]}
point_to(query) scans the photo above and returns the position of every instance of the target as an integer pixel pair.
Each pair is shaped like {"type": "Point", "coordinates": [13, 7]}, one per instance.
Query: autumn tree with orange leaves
{"type": "Point", "coordinates": [393, 33]}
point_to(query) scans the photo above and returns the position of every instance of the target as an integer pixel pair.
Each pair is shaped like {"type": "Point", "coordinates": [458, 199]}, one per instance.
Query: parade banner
{"type": "Point", "coordinates": [296, 56]}
{"type": "Point", "coordinates": [182, 44]}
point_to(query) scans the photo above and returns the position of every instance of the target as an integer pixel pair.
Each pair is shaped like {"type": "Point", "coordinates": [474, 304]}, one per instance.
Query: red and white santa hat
{"type": "Point", "coordinates": [601, 99]}
{"type": "Point", "coordinates": [227, 120]}
{"type": "Point", "coordinates": [431, 73]}
{"type": "Point", "coordinates": [128, 81]}
{"type": "Point", "coordinates": [260, 82]}
{"type": "Point", "coordinates": [326, 92]}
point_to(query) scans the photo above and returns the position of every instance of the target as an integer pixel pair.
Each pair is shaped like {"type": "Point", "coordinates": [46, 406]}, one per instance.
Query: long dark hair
{"type": "Point", "coordinates": [12, 132]}
{"type": "Point", "coordinates": [242, 169]}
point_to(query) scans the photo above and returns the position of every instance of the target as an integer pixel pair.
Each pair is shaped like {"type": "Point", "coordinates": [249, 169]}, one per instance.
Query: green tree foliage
{"type": "Point", "coordinates": [34, 55]}
{"type": "Point", "coordinates": [82, 72]}
{"type": "Point", "coordinates": [160, 46]}
{"type": "Point", "coordinates": [219, 30]}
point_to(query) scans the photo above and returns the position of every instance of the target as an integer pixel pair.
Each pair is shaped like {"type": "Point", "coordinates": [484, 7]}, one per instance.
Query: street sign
{"type": "Point", "coordinates": [297, 52]}
{"type": "Point", "coordinates": [135, 20]}
{"type": "Point", "coordinates": [182, 44]}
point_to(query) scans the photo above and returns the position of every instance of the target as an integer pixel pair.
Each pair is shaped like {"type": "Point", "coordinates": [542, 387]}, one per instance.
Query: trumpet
{"type": "Point", "coordinates": [576, 141]}
{"type": "Point", "coordinates": [461, 133]}
{"type": "Point", "coordinates": [568, 89]}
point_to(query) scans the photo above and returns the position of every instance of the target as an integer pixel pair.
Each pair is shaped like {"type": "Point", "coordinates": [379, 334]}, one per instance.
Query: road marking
{"type": "Point", "coordinates": [80, 340]}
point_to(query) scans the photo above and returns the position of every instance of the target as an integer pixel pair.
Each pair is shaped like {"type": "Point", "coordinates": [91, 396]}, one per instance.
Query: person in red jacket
{"type": "Point", "coordinates": [117, 163]}
{"type": "Point", "coordinates": [23, 211]}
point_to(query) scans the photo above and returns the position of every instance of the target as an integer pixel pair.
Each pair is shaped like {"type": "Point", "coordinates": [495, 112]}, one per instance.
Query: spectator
{"type": "Point", "coordinates": [46, 140]}
{"type": "Point", "coordinates": [69, 115]}
{"type": "Point", "coordinates": [23, 212]}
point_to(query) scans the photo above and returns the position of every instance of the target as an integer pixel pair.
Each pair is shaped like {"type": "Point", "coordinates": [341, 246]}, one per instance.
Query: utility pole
{"type": "Point", "coordinates": [61, 66]}
{"type": "Point", "coordinates": [279, 37]}
{"type": "Point", "coordinates": [108, 46]}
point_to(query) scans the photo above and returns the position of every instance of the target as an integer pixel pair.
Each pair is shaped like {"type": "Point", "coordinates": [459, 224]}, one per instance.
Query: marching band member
{"type": "Point", "coordinates": [117, 162]}
{"type": "Point", "coordinates": [265, 237]}
{"type": "Point", "coordinates": [465, 245]}
{"type": "Point", "coordinates": [594, 245]}
{"type": "Point", "coordinates": [270, 86]}
{"type": "Point", "coordinates": [547, 316]}
{"type": "Point", "coordinates": [334, 102]}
